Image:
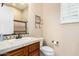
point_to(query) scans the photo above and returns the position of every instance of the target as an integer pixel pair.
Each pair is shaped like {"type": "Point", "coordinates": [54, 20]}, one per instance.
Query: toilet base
{"type": "Point", "coordinates": [48, 54]}
{"type": "Point", "coordinates": [47, 51]}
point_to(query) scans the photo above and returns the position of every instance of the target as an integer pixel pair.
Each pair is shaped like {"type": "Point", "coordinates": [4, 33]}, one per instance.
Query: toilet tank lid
{"type": "Point", "coordinates": [47, 48]}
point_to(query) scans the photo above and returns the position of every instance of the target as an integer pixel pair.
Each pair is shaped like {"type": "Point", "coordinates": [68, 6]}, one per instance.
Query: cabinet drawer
{"type": "Point", "coordinates": [35, 53]}
{"type": "Point", "coordinates": [34, 46]}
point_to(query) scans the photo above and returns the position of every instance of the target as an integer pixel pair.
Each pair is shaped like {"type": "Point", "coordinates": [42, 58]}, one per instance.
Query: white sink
{"type": "Point", "coordinates": [12, 42]}
{"type": "Point", "coordinates": [4, 44]}
{"type": "Point", "coordinates": [16, 41]}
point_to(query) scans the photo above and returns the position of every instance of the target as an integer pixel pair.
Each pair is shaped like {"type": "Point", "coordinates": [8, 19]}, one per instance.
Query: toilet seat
{"type": "Point", "coordinates": [47, 49]}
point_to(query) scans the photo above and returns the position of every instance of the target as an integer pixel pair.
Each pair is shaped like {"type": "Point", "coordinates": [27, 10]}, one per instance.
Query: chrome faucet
{"type": "Point", "coordinates": [19, 36]}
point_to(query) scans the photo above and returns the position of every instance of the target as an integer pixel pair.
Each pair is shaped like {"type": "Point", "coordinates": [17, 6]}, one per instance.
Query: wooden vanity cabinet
{"type": "Point", "coordinates": [30, 50]}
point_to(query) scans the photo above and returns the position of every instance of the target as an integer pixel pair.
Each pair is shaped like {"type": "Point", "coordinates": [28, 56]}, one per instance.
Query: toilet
{"type": "Point", "coordinates": [47, 51]}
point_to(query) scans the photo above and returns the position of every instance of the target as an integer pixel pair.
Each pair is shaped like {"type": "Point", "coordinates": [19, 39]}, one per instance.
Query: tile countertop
{"type": "Point", "coordinates": [8, 45]}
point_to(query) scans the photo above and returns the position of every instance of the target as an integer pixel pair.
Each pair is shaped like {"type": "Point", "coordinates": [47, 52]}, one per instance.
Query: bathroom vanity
{"type": "Point", "coordinates": [21, 47]}
{"type": "Point", "coordinates": [30, 50]}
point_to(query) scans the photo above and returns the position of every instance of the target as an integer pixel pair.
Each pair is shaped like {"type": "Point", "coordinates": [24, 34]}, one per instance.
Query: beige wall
{"type": "Point", "coordinates": [25, 14]}
{"type": "Point", "coordinates": [34, 9]}
{"type": "Point", "coordinates": [66, 34]}
{"type": "Point", "coordinates": [17, 13]}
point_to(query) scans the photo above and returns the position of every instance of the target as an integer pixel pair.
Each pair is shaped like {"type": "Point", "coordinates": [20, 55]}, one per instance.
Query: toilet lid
{"type": "Point", "coordinates": [47, 49]}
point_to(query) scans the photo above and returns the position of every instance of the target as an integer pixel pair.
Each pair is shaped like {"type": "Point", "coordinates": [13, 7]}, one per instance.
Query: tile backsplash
{"type": "Point", "coordinates": [7, 37]}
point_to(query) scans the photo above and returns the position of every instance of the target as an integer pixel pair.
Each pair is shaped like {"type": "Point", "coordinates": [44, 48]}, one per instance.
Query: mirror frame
{"type": "Point", "coordinates": [19, 32]}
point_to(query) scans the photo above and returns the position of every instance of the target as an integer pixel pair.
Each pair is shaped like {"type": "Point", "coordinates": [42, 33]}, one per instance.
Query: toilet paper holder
{"type": "Point", "coordinates": [55, 42]}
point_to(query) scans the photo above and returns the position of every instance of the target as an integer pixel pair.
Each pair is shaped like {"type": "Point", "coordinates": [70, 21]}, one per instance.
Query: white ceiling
{"type": "Point", "coordinates": [20, 6]}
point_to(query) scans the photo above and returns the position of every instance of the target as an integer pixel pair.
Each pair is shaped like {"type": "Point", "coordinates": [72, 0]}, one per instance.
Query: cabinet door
{"type": "Point", "coordinates": [18, 52]}
{"type": "Point", "coordinates": [34, 49]}
{"type": "Point", "coordinates": [35, 53]}
{"type": "Point", "coordinates": [34, 46]}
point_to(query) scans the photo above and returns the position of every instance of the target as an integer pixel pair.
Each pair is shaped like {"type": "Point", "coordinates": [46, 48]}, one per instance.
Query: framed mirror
{"type": "Point", "coordinates": [20, 27]}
